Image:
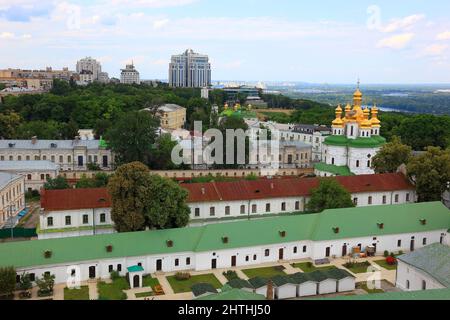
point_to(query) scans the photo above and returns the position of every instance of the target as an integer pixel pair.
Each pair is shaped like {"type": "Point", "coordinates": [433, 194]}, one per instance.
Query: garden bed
{"type": "Point", "coordinates": [114, 290]}
{"type": "Point", "coordinates": [144, 294]}
{"type": "Point", "coordinates": [385, 265]}
{"type": "Point", "coordinates": [267, 272]}
{"type": "Point", "coordinates": [180, 286]}
{"type": "Point", "coordinates": [307, 267]}
{"type": "Point", "coordinates": [76, 294]}
{"type": "Point", "coordinates": [148, 281]}
{"type": "Point", "coordinates": [363, 286]}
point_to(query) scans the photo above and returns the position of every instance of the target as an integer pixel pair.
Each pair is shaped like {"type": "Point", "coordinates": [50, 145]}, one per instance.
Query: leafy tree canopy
{"type": "Point", "coordinates": [329, 195]}
{"type": "Point", "coordinates": [391, 156]}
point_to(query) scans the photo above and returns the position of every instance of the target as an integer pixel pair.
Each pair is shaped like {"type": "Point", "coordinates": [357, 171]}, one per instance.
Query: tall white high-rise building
{"type": "Point", "coordinates": [130, 75]}
{"type": "Point", "coordinates": [190, 70]}
{"type": "Point", "coordinates": [89, 65]}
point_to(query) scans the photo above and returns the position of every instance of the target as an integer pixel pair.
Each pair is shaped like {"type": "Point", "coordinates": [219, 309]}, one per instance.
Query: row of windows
{"type": "Point", "coordinates": [43, 176]}
{"type": "Point", "coordinates": [91, 159]}
{"type": "Point", "coordinates": [68, 220]}
{"type": "Point", "coordinates": [254, 209]}
{"type": "Point", "coordinates": [294, 250]}
{"type": "Point", "coordinates": [370, 199]}
{"type": "Point", "coordinates": [15, 190]}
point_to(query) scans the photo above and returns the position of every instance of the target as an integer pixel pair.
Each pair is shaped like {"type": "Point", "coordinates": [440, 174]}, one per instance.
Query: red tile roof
{"type": "Point", "coordinates": [277, 188]}
{"type": "Point", "coordinates": [232, 190]}
{"type": "Point", "coordinates": [72, 199]}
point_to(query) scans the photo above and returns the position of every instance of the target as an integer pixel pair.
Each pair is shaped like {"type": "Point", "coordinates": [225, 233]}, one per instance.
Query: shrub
{"type": "Point", "coordinates": [114, 275]}
{"type": "Point", "coordinates": [279, 268]}
{"type": "Point", "coordinates": [230, 275]}
{"type": "Point", "coordinates": [386, 253]}
{"type": "Point", "coordinates": [392, 255]}
{"type": "Point", "coordinates": [309, 264]}
{"type": "Point", "coordinates": [180, 276]}
{"type": "Point", "coordinates": [7, 281]}
{"type": "Point", "coordinates": [391, 261]}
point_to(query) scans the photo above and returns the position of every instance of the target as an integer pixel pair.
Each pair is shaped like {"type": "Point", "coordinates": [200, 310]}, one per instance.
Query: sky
{"type": "Point", "coordinates": [322, 41]}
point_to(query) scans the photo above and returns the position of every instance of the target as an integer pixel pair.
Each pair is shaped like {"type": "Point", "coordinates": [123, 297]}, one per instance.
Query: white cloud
{"type": "Point", "coordinates": [435, 50]}
{"type": "Point", "coordinates": [151, 3]}
{"type": "Point", "coordinates": [397, 42]}
{"type": "Point", "coordinates": [157, 24]}
{"type": "Point", "coordinates": [7, 35]}
{"type": "Point", "coordinates": [443, 36]}
{"type": "Point", "coordinates": [403, 23]}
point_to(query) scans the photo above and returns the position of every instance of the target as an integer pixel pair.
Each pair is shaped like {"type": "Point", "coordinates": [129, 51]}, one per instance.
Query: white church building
{"type": "Point", "coordinates": [355, 140]}
{"type": "Point", "coordinates": [330, 234]}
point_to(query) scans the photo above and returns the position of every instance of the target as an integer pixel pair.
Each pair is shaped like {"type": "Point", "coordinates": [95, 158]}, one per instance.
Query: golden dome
{"type": "Point", "coordinates": [357, 93]}
{"type": "Point", "coordinates": [338, 122]}
{"type": "Point", "coordinates": [366, 124]}
{"type": "Point", "coordinates": [375, 121]}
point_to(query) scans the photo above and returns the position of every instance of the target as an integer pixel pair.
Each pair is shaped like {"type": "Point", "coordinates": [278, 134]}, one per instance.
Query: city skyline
{"type": "Point", "coordinates": [327, 42]}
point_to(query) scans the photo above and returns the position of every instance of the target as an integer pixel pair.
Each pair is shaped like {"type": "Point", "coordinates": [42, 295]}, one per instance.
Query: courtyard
{"type": "Point", "coordinates": [169, 286]}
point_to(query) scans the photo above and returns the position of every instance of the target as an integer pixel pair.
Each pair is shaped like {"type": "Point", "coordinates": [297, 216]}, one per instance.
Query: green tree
{"type": "Point", "coordinates": [57, 183]}
{"type": "Point", "coordinates": [9, 122]}
{"type": "Point", "coordinates": [101, 180]}
{"type": "Point", "coordinates": [431, 173]}
{"type": "Point", "coordinates": [129, 190]}
{"type": "Point", "coordinates": [7, 281]}
{"type": "Point", "coordinates": [161, 156]}
{"type": "Point", "coordinates": [424, 130]}
{"type": "Point", "coordinates": [329, 195]}
{"type": "Point", "coordinates": [132, 138]}
{"type": "Point", "coordinates": [391, 156]}
{"type": "Point", "coordinates": [84, 182]}
{"type": "Point", "coordinates": [167, 206]}
{"type": "Point", "coordinates": [60, 87]}
{"type": "Point", "coordinates": [45, 284]}
{"type": "Point", "coordinates": [142, 200]}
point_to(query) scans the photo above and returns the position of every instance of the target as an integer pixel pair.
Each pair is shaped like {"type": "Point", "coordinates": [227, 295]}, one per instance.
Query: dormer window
{"type": "Point", "coordinates": [282, 234]}
{"type": "Point", "coordinates": [169, 243]}
{"type": "Point", "coordinates": [53, 145]}
{"type": "Point", "coordinates": [380, 225]}
{"type": "Point", "coordinates": [11, 145]}
{"type": "Point", "coordinates": [336, 229]}
{"type": "Point", "coordinates": [423, 221]}
{"type": "Point", "coordinates": [225, 239]}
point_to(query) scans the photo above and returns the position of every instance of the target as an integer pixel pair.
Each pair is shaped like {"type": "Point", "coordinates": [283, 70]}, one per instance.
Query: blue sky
{"type": "Point", "coordinates": [285, 40]}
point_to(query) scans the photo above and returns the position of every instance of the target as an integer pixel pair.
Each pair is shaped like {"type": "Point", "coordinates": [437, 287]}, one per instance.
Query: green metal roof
{"type": "Point", "coordinates": [433, 259]}
{"type": "Point", "coordinates": [199, 289]}
{"type": "Point", "coordinates": [239, 284]}
{"type": "Point", "coordinates": [300, 277]}
{"type": "Point", "coordinates": [338, 274]}
{"type": "Point", "coordinates": [360, 142]}
{"type": "Point", "coordinates": [352, 222]}
{"type": "Point", "coordinates": [437, 294]}
{"type": "Point", "coordinates": [331, 168]}
{"type": "Point", "coordinates": [135, 269]}
{"type": "Point", "coordinates": [258, 282]}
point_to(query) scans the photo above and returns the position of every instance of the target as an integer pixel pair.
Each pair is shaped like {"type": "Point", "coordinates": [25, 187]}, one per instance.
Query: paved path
{"type": "Point", "coordinates": [241, 275]}
{"type": "Point", "coordinates": [164, 284]}
{"type": "Point", "coordinates": [290, 269]}
{"type": "Point", "coordinates": [93, 292]}
{"type": "Point", "coordinates": [219, 275]}
{"type": "Point", "coordinates": [58, 292]}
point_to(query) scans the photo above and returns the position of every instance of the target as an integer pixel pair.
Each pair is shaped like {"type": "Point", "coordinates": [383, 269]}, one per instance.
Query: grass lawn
{"type": "Point", "coordinates": [267, 272]}
{"type": "Point", "coordinates": [148, 281]}
{"type": "Point", "coordinates": [358, 267]}
{"type": "Point", "coordinates": [363, 285]}
{"type": "Point", "coordinates": [114, 290]}
{"type": "Point", "coordinates": [383, 264]}
{"type": "Point", "coordinates": [144, 294]}
{"type": "Point", "coordinates": [179, 286]}
{"type": "Point", "coordinates": [306, 267]}
{"type": "Point", "coordinates": [76, 294]}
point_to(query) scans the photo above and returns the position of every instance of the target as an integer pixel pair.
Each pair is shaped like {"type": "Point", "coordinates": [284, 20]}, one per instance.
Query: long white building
{"type": "Point", "coordinates": [70, 155]}
{"type": "Point", "coordinates": [331, 233]}
{"type": "Point", "coordinates": [71, 212]}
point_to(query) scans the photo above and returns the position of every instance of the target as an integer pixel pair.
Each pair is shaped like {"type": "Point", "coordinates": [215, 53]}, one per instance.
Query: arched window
{"type": "Point", "coordinates": [357, 163]}
{"type": "Point", "coordinates": [407, 284]}
{"type": "Point", "coordinates": [424, 285]}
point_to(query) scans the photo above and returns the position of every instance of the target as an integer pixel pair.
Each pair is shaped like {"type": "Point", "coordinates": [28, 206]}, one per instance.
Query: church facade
{"type": "Point", "coordinates": [355, 140]}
